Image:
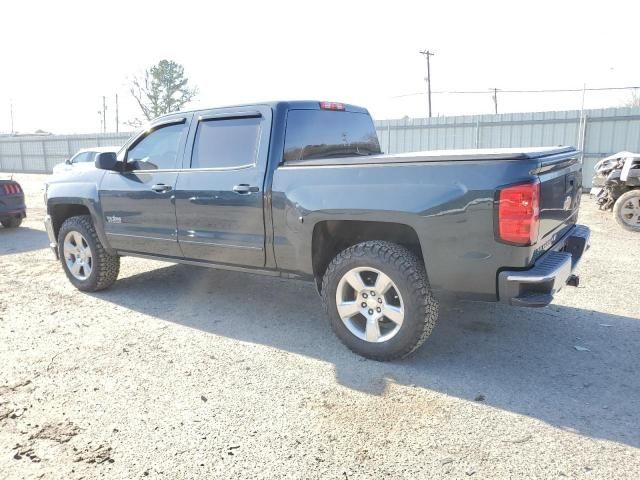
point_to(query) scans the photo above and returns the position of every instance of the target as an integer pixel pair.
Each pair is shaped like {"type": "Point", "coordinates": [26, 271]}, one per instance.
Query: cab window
{"type": "Point", "coordinates": [229, 143]}
{"type": "Point", "coordinates": [80, 157]}
{"type": "Point", "coordinates": [158, 150]}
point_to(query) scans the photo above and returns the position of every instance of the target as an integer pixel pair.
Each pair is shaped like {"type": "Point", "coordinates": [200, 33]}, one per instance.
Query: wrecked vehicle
{"type": "Point", "coordinates": [616, 186]}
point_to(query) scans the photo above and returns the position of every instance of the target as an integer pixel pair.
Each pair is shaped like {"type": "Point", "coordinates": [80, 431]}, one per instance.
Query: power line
{"type": "Point", "coordinates": [550, 90]}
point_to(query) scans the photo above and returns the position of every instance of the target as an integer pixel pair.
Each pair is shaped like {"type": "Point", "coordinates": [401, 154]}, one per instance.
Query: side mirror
{"type": "Point", "coordinates": [106, 161]}
{"type": "Point", "coordinates": [68, 161]}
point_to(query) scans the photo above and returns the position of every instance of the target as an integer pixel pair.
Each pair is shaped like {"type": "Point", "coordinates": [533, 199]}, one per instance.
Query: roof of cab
{"type": "Point", "coordinates": [288, 104]}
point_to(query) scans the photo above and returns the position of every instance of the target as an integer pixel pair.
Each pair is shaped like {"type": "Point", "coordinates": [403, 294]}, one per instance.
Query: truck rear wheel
{"type": "Point", "coordinates": [86, 263]}
{"type": "Point", "coordinates": [627, 210]}
{"type": "Point", "coordinates": [11, 222]}
{"type": "Point", "coordinates": [378, 300]}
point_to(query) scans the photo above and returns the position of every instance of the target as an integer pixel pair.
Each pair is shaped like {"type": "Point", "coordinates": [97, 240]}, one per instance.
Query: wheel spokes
{"type": "Point", "coordinates": [393, 313]}
{"type": "Point", "coordinates": [76, 267]}
{"type": "Point", "coordinates": [369, 304]}
{"type": "Point", "coordinates": [348, 309]}
{"type": "Point", "coordinates": [372, 329]}
{"type": "Point", "coordinates": [77, 255]}
{"type": "Point", "coordinates": [354, 279]}
{"type": "Point", "coordinates": [68, 248]}
{"type": "Point", "coordinates": [383, 283]}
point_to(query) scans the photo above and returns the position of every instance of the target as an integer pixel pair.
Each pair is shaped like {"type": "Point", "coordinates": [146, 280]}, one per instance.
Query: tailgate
{"type": "Point", "coordinates": [560, 191]}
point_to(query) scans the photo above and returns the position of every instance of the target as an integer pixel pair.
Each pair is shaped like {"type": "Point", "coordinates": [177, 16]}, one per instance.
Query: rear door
{"type": "Point", "coordinates": [219, 192]}
{"type": "Point", "coordinates": [138, 203]}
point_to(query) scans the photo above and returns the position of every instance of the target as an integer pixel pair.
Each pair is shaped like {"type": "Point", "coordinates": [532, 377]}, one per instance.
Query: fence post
{"type": "Point", "coordinates": [21, 155]}
{"type": "Point", "coordinates": [477, 133]}
{"type": "Point", "coordinates": [583, 138]}
{"type": "Point", "coordinates": [44, 155]}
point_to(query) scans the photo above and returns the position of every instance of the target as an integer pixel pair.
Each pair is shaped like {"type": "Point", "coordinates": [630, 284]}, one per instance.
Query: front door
{"type": "Point", "coordinates": [219, 192]}
{"type": "Point", "coordinates": [138, 203]}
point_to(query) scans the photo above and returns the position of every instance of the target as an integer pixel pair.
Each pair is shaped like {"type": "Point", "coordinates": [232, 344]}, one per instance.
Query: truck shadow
{"type": "Point", "coordinates": [22, 239]}
{"type": "Point", "coordinates": [520, 360]}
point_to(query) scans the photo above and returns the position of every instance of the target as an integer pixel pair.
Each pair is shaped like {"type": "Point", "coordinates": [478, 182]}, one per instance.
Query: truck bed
{"type": "Point", "coordinates": [463, 155]}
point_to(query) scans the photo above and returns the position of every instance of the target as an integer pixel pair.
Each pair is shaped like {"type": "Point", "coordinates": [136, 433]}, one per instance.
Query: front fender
{"type": "Point", "coordinates": [83, 194]}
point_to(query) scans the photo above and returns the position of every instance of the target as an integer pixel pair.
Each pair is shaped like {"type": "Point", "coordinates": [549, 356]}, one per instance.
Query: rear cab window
{"type": "Point", "coordinates": [226, 143]}
{"type": "Point", "coordinates": [315, 134]}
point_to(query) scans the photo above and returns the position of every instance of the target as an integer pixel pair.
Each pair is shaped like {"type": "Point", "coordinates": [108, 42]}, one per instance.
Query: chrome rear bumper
{"type": "Point", "coordinates": [536, 286]}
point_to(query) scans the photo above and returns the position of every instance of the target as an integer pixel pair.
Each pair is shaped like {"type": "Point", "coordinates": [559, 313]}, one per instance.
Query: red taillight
{"type": "Point", "coordinates": [519, 213]}
{"type": "Point", "coordinates": [331, 106]}
{"type": "Point", "coordinates": [12, 188]}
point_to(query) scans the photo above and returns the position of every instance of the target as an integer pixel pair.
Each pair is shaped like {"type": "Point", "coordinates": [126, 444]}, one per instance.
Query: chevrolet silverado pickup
{"type": "Point", "coordinates": [302, 190]}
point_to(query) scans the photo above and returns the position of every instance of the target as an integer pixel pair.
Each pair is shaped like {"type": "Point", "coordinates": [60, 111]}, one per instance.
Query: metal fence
{"type": "Point", "coordinates": [596, 132]}
{"type": "Point", "coordinates": [39, 153]}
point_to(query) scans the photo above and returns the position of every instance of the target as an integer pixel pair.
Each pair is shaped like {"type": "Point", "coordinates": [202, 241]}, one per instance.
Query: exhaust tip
{"type": "Point", "coordinates": [573, 281]}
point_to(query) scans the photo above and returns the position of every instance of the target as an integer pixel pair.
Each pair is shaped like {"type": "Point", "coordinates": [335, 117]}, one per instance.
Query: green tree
{"type": "Point", "coordinates": [163, 89]}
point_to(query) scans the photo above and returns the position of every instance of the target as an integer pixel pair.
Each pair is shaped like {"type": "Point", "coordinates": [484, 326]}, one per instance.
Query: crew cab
{"type": "Point", "coordinates": [302, 190]}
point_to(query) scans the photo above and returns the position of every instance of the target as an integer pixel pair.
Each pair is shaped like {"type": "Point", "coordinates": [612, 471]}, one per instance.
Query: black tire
{"type": "Point", "coordinates": [407, 272]}
{"type": "Point", "coordinates": [105, 267]}
{"type": "Point", "coordinates": [624, 199]}
{"type": "Point", "coordinates": [11, 222]}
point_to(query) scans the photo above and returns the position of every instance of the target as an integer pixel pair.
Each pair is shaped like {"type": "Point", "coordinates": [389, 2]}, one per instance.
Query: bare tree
{"type": "Point", "coordinates": [634, 101]}
{"type": "Point", "coordinates": [163, 89]}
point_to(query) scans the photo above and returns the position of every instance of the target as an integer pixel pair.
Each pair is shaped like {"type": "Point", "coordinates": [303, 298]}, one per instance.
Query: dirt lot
{"type": "Point", "coordinates": [182, 372]}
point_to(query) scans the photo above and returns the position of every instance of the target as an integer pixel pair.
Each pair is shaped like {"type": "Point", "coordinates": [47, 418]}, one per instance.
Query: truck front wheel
{"type": "Point", "coordinates": [86, 263]}
{"type": "Point", "coordinates": [378, 300]}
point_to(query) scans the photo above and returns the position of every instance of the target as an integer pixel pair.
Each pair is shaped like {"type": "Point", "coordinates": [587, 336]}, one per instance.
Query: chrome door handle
{"type": "Point", "coordinates": [245, 189]}
{"type": "Point", "coordinates": [161, 188]}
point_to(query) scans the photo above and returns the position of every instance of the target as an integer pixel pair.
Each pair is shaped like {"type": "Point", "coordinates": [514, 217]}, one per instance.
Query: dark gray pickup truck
{"type": "Point", "coordinates": [301, 190]}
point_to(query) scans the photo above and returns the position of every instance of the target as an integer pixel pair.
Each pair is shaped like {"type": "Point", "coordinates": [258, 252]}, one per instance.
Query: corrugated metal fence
{"type": "Point", "coordinates": [39, 153]}
{"type": "Point", "coordinates": [597, 132]}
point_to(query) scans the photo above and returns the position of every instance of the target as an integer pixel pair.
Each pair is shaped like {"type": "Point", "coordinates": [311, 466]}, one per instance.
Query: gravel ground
{"type": "Point", "coordinates": [183, 372]}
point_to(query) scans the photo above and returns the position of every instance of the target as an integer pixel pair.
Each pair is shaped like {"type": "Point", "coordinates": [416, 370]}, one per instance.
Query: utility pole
{"type": "Point", "coordinates": [495, 99]}
{"type": "Point", "coordinates": [428, 54]}
{"type": "Point", "coordinates": [104, 114]}
{"type": "Point", "coordinates": [117, 121]}
{"type": "Point", "coordinates": [11, 113]}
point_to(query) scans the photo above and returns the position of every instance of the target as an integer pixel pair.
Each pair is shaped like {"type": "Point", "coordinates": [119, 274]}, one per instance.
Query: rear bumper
{"type": "Point", "coordinates": [13, 207]}
{"type": "Point", "coordinates": [53, 243]}
{"type": "Point", "coordinates": [21, 213]}
{"type": "Point", "coordinates": [536, 286]}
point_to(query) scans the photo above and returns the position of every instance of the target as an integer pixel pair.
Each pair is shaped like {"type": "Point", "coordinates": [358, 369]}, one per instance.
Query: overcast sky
{"type": "Point", "coordinates": [59, 58]}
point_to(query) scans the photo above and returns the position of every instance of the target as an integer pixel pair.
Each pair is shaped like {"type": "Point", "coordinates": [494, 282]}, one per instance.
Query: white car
{"type": "Point", "coordinates": [83, 159]}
